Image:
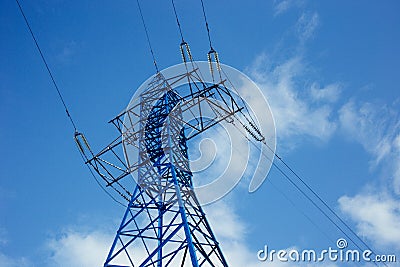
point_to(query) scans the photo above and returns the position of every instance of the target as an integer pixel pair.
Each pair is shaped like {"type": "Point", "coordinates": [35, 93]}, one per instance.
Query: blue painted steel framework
{"type": "Point", "coordinates": [164, 224]}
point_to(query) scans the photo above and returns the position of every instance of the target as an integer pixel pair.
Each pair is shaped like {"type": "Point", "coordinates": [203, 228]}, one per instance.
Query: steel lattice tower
{"type": "Point", "coordinates": [164, 223]}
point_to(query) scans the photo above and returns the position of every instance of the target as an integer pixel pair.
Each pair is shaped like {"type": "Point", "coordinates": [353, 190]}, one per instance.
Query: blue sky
{"type": "Point", "coordinates": [330, 71]}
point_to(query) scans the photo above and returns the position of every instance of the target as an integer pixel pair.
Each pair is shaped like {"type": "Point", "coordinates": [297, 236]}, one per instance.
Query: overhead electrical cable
{"type": "Point", "coordinates": [99, 184]}
{"type": "Point", "coordinates": [325, 204]}
{"type": "Point", "coordinates": [212, 53]}
{"type": "Point", "coordinates": [313, 202]}
{"type": "Point", "coordinates": [47, 66]}
{"type": "Point", "coordinates": [177, 21]}
{"type": "Point", "coordinates": [184, 46]}
{"type": "Point", "coordinates": [147, 36]}
{"type": "Point", "coordinates": [207, 27]}
{"type": "Point", "coordinates": [295, 185]}
{"type": "Point", "coordinates": [287, 197]}
{"type": "Point", "coordinates": [60, 95]}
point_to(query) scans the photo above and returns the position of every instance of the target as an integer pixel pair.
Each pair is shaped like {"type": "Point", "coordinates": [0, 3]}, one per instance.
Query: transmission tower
{"type": "Point", "coordinates": [164, 223]}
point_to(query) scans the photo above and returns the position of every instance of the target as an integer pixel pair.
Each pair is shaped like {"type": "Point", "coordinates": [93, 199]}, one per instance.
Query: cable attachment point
{"type": "Point", "coordinates": [257, 130]}
{"type": "Point", "coordinates": [258, 138]}
{"type": "Point", "coordinates": [82, 144]}
{"type": "Point", "coordinates": [185, 51]}
{"type": "Point", "coordinates": [213, 55]}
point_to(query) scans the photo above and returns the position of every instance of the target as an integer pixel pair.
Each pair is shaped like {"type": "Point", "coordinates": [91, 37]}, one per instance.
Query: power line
{"type": "Point", "coordinates": [47, 66]}
{"type": "Point", "coordinates": [184, 46]}
{"type": "Point", "coordinates": [317, 195]}
{"type": "Point", "coordinates": [309, 198]}
{"type": "Point", "coordinates": [177, 21]}
{"type": "Point", "coordinates": [324, 203]}
{"type": "Point", "coordinates": [287, 197]}
{"type": "Point", "coordinates": [60, 94]}
{"type": "Point", "coordinates": [147, 36]}
{"type": "Point", "coordinates": [207, 27]}
{"type": "Point", "coordinates": [314, 193]}
{"type": "Point", "coordinates": [98, 182]}
{"type": "Point", "coordinates": [299, 189]}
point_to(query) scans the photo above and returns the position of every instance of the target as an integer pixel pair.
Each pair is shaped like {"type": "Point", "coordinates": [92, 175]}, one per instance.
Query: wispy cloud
{"type": "Point", "coordinates": [329, 93]}
{"type": "Point", "coordinates": [307, 25]}
{"type": "Point", "coordinates": [307, 22]}
{"type": "Point", "coordinates": [75, 248]}
{"type": "Point", "coordinates": [377, 216]}
{"type": "Point", "coordinates": [231, 233]}
{"type": "Point", "coordinates": [299, 111]}
{"type": "Point", "coordinates": [282, 6]}
{"type": "Point", "coordinates": [377, 129]}
{"type": "Point", "coordinates": [375, 212]}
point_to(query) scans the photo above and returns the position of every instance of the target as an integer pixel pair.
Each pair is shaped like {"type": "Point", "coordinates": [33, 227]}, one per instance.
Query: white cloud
{"type": "Point", "coordinates": [377, 129]}
{"type": "Point", "coordinates": [231, 233]}
{"type": "Point", "coordinates": [75, 248]}
{"type": "Point", "coordinates": [377, 217]}
{"type": "Point", "coordinates": [329, 93]}
{"type": "Point", "coordinates": [225, 222]}
{"type": "Point", "coordinates": [230, 230]}
{"type": "Point", "coordinates": [298, 111]}
{"type": "Point", "coordinates": [306, 25]}
{"type": "Point", "coordinates": [283, 6]}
